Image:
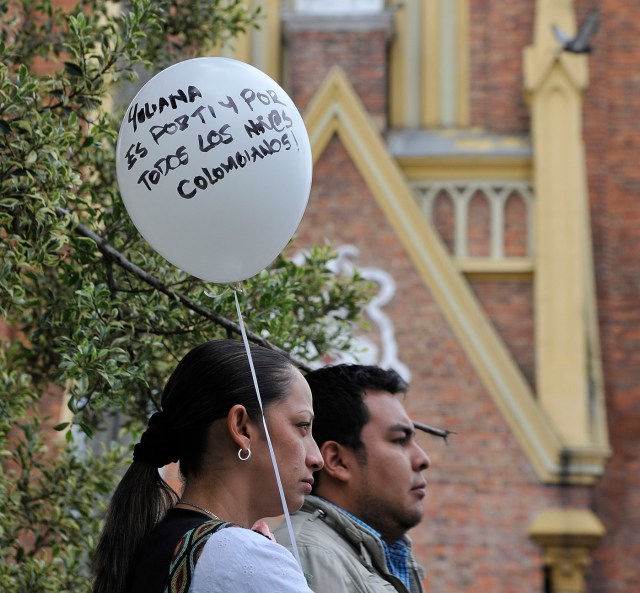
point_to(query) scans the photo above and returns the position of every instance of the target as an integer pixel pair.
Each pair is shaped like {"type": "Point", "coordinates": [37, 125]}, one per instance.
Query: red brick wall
{"type": "Point", "coordinates": [509, 305]}
{"type": "Point", "coordinates": [515, 227]}
{"type": "Point", "coordinates": [498, 33]}
{"type": "Point", "coordinates": [483, 493]}
{"type": "Point", "coordinates": [444, 220]}
{"type": "Point", "coordinates": [612, 138]}
{"type": "Point", "coordinates": [478, 230]}
{"type": "Point", "coordinates": [362, 55]}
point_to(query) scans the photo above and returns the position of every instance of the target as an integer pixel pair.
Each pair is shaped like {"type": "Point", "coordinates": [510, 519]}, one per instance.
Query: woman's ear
{"type": "Point", "coordinates": [338, 460]}
{"type": "Point", "coordinates": [240, 426]}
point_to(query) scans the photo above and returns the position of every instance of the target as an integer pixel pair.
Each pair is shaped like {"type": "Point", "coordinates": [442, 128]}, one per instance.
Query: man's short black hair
{"type": "Point", "coordinates": [338, 405]}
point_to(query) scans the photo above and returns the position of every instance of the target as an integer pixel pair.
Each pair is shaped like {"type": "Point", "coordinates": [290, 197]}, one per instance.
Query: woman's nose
{"type": "Point", "coordinates": [314, 457]}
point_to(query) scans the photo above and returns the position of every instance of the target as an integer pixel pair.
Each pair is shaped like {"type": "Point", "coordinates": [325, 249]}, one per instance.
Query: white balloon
{"type": "Point", "coordinates": [214, 166]}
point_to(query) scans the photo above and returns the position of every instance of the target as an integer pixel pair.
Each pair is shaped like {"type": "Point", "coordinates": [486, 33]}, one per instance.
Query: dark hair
{"type": "Point", "coordinates": [338, 404]}
{"type": "Point", "coordinates": [206, 384]}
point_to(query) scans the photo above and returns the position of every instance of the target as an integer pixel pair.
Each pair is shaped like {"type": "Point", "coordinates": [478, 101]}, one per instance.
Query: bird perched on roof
{"type": "Point", "coordinates": [581, 43]}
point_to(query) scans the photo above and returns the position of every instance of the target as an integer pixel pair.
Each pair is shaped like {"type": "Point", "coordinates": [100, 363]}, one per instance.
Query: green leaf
{"type": "Point", "coordinates": [22, 74]}
{"type": "Point", "coordinates": [73, 69]}
{"type": "Point", "coordinates": [85, 326]}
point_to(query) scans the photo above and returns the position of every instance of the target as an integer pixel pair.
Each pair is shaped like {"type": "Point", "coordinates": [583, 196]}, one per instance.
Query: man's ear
{"type": "Point", "coordinates": [338, 460]}
{"type": "Point", "coordinates": [241, 428]}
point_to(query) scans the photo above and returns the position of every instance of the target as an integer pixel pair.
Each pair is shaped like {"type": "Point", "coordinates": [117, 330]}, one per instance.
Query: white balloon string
{"type": "Point", "coordinates": [287, 517]}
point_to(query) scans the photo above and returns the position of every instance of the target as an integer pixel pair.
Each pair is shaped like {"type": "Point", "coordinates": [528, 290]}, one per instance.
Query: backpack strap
{"type": "Point", "coordinates": [186, 555]}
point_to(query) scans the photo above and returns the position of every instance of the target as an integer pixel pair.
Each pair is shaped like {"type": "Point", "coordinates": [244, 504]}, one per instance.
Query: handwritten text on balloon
{"type": "Point", "coordinates": [265, 118]}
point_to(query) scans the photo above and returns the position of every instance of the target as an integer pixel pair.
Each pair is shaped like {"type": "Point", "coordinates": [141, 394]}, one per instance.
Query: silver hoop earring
{"type": "Point", "coordinates": [241, 458]}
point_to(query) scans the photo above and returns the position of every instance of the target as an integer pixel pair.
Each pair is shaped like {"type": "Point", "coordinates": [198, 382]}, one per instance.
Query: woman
{"type": "Point", "coordinates": [211, 423]}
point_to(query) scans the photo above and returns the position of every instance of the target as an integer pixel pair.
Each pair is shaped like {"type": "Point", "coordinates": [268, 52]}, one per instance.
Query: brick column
{"type": "Point", "coordinates": [355, 42]}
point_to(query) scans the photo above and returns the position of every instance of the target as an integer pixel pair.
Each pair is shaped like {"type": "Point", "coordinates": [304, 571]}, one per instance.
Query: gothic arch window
{"type": "Point", "coordinates": [483, 223]}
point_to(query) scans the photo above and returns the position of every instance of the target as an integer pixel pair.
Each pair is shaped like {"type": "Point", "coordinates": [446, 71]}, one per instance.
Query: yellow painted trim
{"type": "Point", "coordinates": [568, 363]}
{"type": "Point", "coordinates": [238, 48]}
{"type": "Point", "coordinates": [65, 415]}
{"type": "Point", "coordinates": [335, 108]}
{"type": "Point", "coordinates": [259, 47]}
{"type": "Point", "coordinates": [567, 537]}
{"type": "Point", "coordinates": [241, 47]}
{"type": "Point", "coordinates": [430, 52]}
{"type": "Point", "coordinates": [430, 49]}
{"type": "Point", "coordinates": [560, 525]}
{"type": "Point", "coordinates": [266, 43]}
{"type": "Point", "coordinates": [397, 75]}
{"type": "Point", "coordinates": [465, 167]}
{"type": "Point", "coordinates": [498, 276]}
{"type": "Point", "coordinates": [483, 265]}
{"type": "Point", "coordinates": [462, 86]}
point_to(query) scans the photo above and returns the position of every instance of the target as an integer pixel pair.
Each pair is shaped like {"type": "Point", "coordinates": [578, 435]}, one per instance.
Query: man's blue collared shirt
{"type": "Point", "coordinates": [396, 554]}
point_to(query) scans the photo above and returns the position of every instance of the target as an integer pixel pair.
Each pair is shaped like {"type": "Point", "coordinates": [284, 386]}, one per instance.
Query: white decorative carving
{"type": "Point", "coordinates": [339, 6]}
{"type": "Point", "coordinates": [366, 351]}
{"type": "Point", "coordinates": [460, 193]}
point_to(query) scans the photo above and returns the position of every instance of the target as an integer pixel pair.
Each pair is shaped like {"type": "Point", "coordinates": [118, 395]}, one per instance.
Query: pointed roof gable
{"type": "Point", "coordinates": [336, 109]}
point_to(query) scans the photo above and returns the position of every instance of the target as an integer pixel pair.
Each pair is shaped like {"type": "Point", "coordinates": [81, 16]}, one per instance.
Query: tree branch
{"type": "Point", "coordinates": [115, 256]}
{"type": "Point", "coordinates": [439, 432]}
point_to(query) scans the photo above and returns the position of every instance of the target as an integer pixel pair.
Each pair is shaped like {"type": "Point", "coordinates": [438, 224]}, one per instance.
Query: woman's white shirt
{"type": "Point", "coordinates": [236, 559]}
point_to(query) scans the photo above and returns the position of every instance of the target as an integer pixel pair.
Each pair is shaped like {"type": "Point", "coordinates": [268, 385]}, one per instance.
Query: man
{"type": "Point", "coordinates": [351, 531]}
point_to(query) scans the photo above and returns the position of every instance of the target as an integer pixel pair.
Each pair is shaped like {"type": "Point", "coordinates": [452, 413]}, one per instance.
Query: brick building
{"type": "Point", "coordinates": [487, 180]}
